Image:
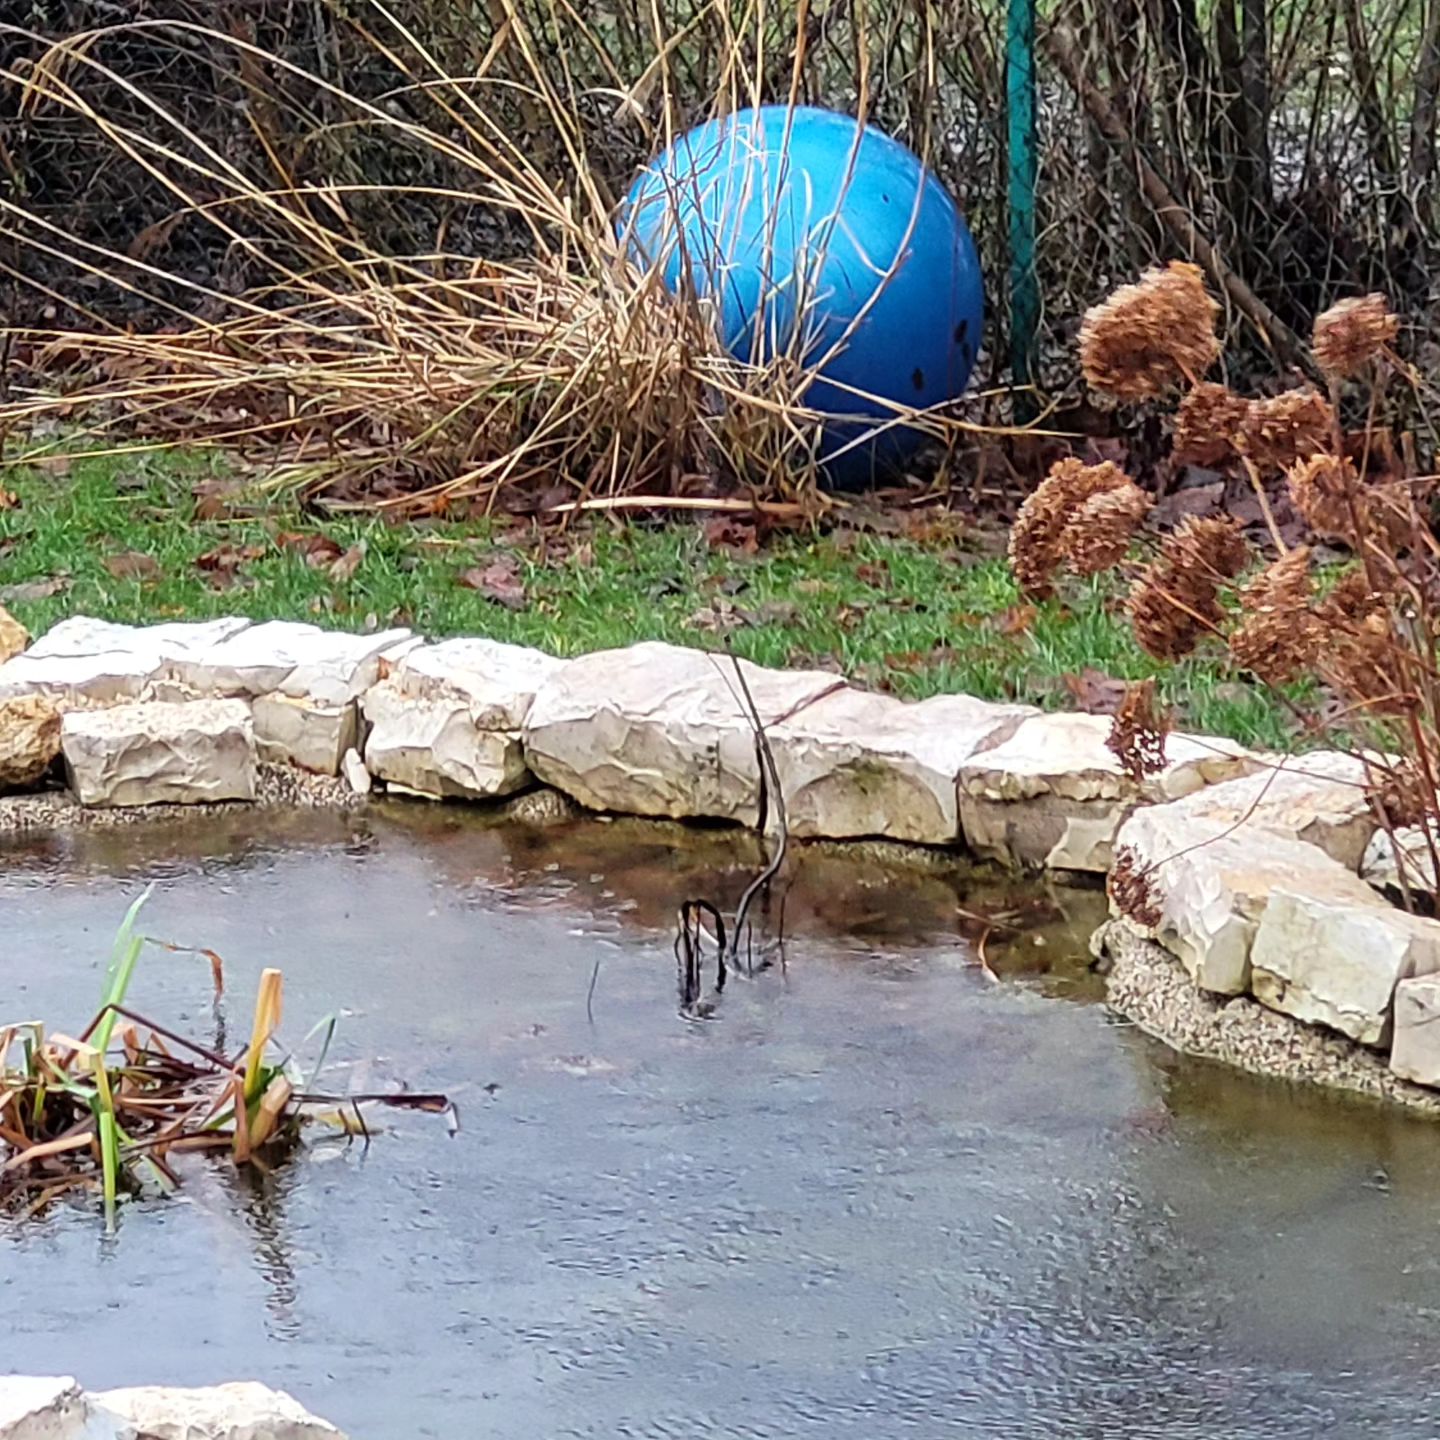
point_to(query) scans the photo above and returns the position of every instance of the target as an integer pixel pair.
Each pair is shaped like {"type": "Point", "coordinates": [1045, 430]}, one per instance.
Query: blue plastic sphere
{"type": "Point", "coordinates": [805, 229]}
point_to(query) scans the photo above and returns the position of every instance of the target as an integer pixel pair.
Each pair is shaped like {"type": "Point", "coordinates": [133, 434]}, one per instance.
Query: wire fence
{"type": "Point", "coordinates": [1291, 147]}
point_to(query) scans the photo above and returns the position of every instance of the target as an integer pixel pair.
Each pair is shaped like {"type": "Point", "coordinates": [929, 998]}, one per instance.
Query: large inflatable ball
{"type": "Point", "coordinates": [811, 234]}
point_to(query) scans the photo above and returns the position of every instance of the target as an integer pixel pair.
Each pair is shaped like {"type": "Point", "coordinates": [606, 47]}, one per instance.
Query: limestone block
{"type": "Point", "coordinates": [854, 764]}
{"type": "Point", "coordinates": [14, 637]}
{"type": "Point", "coordinates": [294, 731]}
{"type": "Point", "coordinates": [661, 730]}
{"type": "Point", "coordinates": [150, 752]}
{"type": "Point", "coordinates": [284, 657]}
{"type": "Point", "coordinates": [1209, 887]}
{"type": "Point", "coordinates": [239, 1411]}
{"type": "Point", "coordinates": [434, 748]}
{"type": "Point", "coordinates": [46, 1407]}
{"type": "Point", "coordinates": [1382, 868]}
{"type": "Point", "coordinates": [96, 661]}
{"type": "Point", "coordinates": [357, 777]}
{"type": "Point", "coordinates": [1415, 1048]}
{"type": "Point", "coordinates": [1053, 794]}
{"type": "Point", "coordinates": [1337, 964]}
{"type": "Point", "coordinates": [1318, 798]}
{"type": "Point", "coordinates": [29, 739]}
{"type": "Point", "coordinates": [447, 721]}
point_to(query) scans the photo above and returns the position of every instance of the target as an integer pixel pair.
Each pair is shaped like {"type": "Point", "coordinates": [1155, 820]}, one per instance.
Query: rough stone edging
{"type": "Point", "coordinates": [188, 711]}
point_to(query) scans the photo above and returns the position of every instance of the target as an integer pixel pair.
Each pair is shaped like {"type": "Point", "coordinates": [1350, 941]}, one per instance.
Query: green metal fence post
{"type": "Point", "coordinates": [1021, 154]}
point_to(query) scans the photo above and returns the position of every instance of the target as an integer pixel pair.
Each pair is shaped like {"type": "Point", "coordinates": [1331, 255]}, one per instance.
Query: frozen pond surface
{"type": "Point", "coordinates": [879, 1195]}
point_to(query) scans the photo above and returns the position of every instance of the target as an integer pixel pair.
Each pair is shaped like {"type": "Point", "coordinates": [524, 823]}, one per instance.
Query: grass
{"type": "Point", "coordinates": [917, 614]}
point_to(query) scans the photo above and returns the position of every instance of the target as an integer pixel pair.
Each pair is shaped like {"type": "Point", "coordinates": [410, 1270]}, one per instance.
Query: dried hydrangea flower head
{"type": "Point", "coordinates": [1081, 517]}
{"type": "Point", "coordinates": [1352, 333]}
{"type": "Point", "coordinates": [1153, 337]}
{"type": "Point", "coordinates": [1283, 429]}
{"type": "Point", "coordinates": [1325, 491]}
{"type": "Point", "coordinates": [1176, 600]}
{"type": "Point", "coordinates": [1133, 891]}
{"type": "Point", "coordinates": [1208, 423]}
{"type": "Point", "coordinates": [1138, 732]}
{"type": "Point", "coordinates": [1278, 635]}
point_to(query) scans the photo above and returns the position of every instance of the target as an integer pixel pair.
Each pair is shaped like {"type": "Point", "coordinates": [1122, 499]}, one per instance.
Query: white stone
{"type": "Point", "coordinates": [447, 721]}
{"type": "Point", "coordinates": [96, 660]}
{"type": "Point", "coordinates": [1210, 887]}
{"type": "Point", "coordinates": [292, 731]}
{"type": "Point", "coordinates": [661, 730]}
{"type": "Point", "coordinates": [45, 1407]}
{"type": "Point", "coordinates": [1381, 868]}
{"type": "Point", "coordinates": [327, 667]}
{"type": "Point", "coordinates": [1318, 798]}
{"type": "Point", "coordinates": [357, 777]}
{"type": "Point", "coordinates": [1338, 964]}
{"type": "Point", "coordinates": [498, 682]}
{"type": "Point", "coordinates": [1053, 794]}
{"type": "Point", "coordinates": [149, 752]}
{"type": "Point", "coordinates": [239, 1411]}
{"type": "Point", "coordinates": [1415, 1047]}
{"type": "Point", "coordinates": [433, 747]}
{"type": "Point", "coordinates": [856, 764]}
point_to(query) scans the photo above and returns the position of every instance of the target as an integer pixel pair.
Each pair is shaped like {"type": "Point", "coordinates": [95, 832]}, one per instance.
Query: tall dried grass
{"type": "Point", "coordinates": [563, 374]}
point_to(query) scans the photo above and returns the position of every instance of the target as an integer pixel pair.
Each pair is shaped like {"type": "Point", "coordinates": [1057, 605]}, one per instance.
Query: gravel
{"type": "Point", "coordinates": [1149, 987]}
{"type": "Point", "coordinates": [280, 786]}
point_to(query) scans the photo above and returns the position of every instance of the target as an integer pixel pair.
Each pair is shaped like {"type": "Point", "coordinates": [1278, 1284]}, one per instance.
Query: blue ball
{"type": "Point", "coordinates": [801, 224]}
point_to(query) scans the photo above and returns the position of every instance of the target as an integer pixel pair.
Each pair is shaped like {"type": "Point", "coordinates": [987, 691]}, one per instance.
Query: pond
{"type": "Point", "coordinates": [886, 1191]}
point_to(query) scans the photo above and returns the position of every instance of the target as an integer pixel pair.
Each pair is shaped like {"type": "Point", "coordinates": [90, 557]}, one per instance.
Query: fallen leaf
{"type": "Point", "coordinates": [214, 499]}
{"type": "Point", "coordinates": [36, 589]}
{"type": "Point", "coordinates": [877, 574]}
{"type": "Point", "coordinates": [132, 565]}
{"type": "Point", "coordinates": [223, 564]}
{"type": "Point", "coordinates": [9, 500]}
{"type": "Point", "coordinates": [1094, 692]}
{"type": "Point", "coordinates": [1017, 620]}
{"type": "Point", "coordinates": [318, 550]}
{"type": "Point", "coordinates": [498, 581]}
{"type": "Point", "coordinates": [727, 532]}
{"type": "Point", "coordinates": [345, 567]}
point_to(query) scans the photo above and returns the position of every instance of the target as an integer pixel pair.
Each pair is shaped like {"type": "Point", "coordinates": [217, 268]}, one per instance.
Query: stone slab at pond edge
{"type": "Point", "coordinates": [446, 723]}
{"type": "Point", "coordinates": [1337, 964]}
{"type": "Point", "coordinates": [657, 729]}
{"type": "Point", "coordinates": [1210, 884]}
{"type": "Point", "coordinates": [47, 1407]}
{"type": "Point", "coordinates": [151, 752]}
{"type": "Point", "coordinates": [855, 765]}
{"type": "Point", "coordinates": [1053, 794]}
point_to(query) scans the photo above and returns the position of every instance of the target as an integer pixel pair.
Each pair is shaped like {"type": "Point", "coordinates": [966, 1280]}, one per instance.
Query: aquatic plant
{"type": "Point", "coordinates": [109, 1110]}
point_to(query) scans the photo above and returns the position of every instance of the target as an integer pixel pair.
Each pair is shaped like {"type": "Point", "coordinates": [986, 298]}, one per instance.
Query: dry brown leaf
{"type": "Point", "coordinates": [1094, 692]}
{"type": "Point", "coordinates": [35, 589]}
{"type": "Point", "coordinates": [345, 567]}
{"type": "Point", "coordinates": [498, 581]}
{"type": "Point", "coordinates": [132, 565]}
{"type": "Point", "coordinates": [9, 500]}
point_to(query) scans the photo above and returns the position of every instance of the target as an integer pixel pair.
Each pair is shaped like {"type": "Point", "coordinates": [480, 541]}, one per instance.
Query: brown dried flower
{"type": "Point", "coordinates": [1363, 660]}
{"type": "Point", "coordinates": [1402, 795]}
{"type": "Point", "coordinates": [1325, 490]}
{"type": "Point", "coordinates": [1100, 533]}
{"type": "Point", "coordinates": [1138, 732]}
{"type": "Point", "coordinates": [1278, 635]}
{"type": "Point", "coordinates": [1214, 545]}
{"type": "Point", "coordinates": [1149, 338]}
{"type": "Point", "coordinates": [1040, 539]}
{"type": "Point", "coordinates": [1207, 423]}
{"type": "Point", "coordinates": [1133, 892]}
{"type": "Point", "coordinates": [1352, 333]}
{"type": "Point", "coordinates": [1350, 600]}
{"type": "Point", "coordinates": [1278, 431]}
{"type": "Point", "coordinates": [1176, 601]}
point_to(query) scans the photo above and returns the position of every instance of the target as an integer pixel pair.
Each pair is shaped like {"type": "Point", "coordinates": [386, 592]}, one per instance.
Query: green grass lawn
{"type": "Point", "coordinates": [128, 538]}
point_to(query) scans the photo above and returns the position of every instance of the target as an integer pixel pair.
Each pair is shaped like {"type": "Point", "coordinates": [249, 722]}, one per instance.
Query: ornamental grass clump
{"type": "Point", "coordinates": [1365, 639]}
